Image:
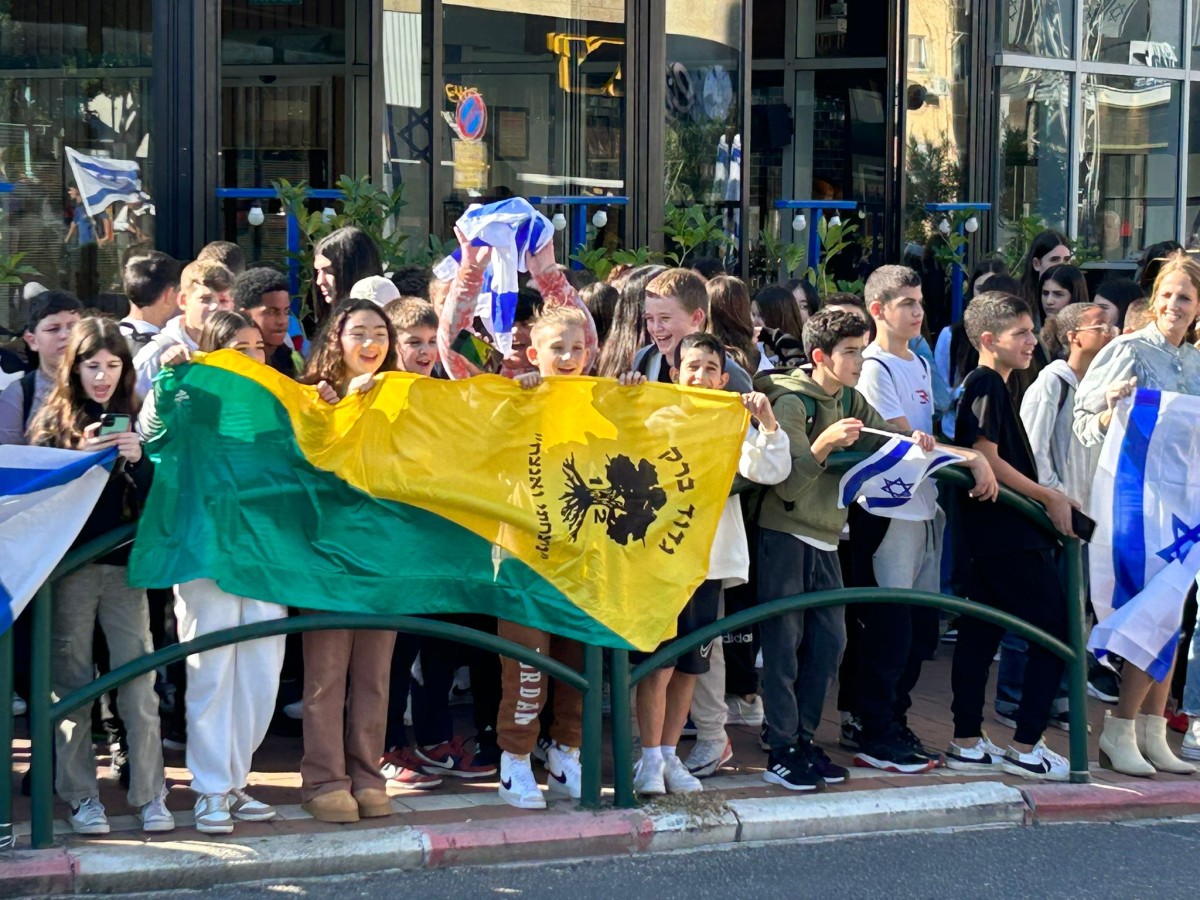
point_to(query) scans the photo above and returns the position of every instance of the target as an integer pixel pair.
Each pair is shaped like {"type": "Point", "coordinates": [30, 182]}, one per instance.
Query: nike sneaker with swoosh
{"type": "Point", "coordinates": [518, 787]}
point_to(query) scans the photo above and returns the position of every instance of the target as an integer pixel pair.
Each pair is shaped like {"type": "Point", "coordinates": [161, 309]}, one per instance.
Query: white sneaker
{"type": "Point", "coordinates": [20, 707]}
{"type": "Point", "coordinates": [677, 779]}
{"type": "Point", "coordinates": [155, 816]}
{"type": "Point", "coordinates": [518, 787]}
{"type": "Point", "coordinates": [983, 757]}
{"type": "Point", "coordinates": [246, 808]}
{"type": "Point", "coordinates": [648, 776]}
{"type": "Point", "coordinates": [295, 710]}
{"type": "Point", "coordinates": [211, 813]}
{"type": "Point", "coordinates": [563, 772]}
{"type": "Point", "coordinates": [1191, 740]}
{"type": "Point", "coordinates": [1041, 762]}
{"type": "Point", "coordinates": [708, 756]}
{"type": "Point", "coordinates": [88, 817]}
{"type": "Point", "coordinates": [743, 713]}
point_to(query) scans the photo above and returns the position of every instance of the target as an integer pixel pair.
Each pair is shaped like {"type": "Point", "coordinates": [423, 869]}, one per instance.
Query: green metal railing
{"type": "Point", "coordinates": [43, 713]}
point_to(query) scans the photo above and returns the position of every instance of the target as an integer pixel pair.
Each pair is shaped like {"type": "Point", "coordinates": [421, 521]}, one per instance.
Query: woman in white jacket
{"type": "Point", "coordinates": [665, 697]}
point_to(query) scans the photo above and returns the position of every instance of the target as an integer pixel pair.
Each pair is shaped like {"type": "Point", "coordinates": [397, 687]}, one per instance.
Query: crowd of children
{"type": "Point", "coordinates": [1023, 388]}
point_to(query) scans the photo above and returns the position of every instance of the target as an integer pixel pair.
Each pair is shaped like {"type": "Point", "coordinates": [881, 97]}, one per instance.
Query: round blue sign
{"type": "Point", "coordinates": [471, 116]}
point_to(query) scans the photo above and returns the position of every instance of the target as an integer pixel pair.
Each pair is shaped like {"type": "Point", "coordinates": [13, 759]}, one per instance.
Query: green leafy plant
{"type": "Point", "coordinates": [779, 256]}
{"type": "Point", "coordinates": [638, 256]}
{"type": "Point", "coordinates": [688, 228]}
{"type": "Point", "coordinates": [363, 205]}
{"type": "Point", "coordinates": [12, 270]}
{"type": "Point", "coordinates": [596, 260]}
{"type": "Point", "coordinates": [1022, 231]}
{"type": "Point", "coordinates": [834, 240]}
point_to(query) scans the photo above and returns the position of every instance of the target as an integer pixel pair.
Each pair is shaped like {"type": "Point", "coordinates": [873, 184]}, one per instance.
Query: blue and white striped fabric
{"type": "Point", "coordinates": [46, 496]}
{"type": "Point", "coordinates": [887, 480]}
{"type": "Point", "coordinates": [101, 180]}
{"type": "Point", "coordinates": [513, 229]}
{"type": "Point", "coordinates": [1145, 553]}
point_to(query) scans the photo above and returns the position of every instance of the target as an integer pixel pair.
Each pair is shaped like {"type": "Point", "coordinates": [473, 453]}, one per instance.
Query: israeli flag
{"type": "Point", "coordinates": [887, 480]}
{"type": "Point", "coordinates": [1145, 553]}
{"type": "Point", "coordinates": [46, 496]}
{"type": "Point", "coordinates": [102, 181]}
{"type": "Point", "coordinates": [513, 229]}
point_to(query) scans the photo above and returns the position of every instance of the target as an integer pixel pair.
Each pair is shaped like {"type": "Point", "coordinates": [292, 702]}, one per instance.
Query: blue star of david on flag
{"type": "Point", "coordinates": [888, 478]}
{"type": "Point", "coordinates": [897, 488]}
{"type": "Point", "coordinates": [1185, 539]}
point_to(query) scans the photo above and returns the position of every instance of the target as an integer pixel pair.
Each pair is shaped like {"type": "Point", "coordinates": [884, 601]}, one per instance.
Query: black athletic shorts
{"type": "Point", "coordinates": [701, 610]}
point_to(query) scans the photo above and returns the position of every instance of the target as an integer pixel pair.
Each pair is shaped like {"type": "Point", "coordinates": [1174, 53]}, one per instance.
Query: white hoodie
{"type": "Point", "coordinates": [766, 459]}
{"type": "Point", "coordinates": [149, 359]}
{"type": "Point", "coordinates": [1047, 411]}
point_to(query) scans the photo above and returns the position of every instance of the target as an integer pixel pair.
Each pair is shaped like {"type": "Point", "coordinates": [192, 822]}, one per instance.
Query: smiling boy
{"type": "Point", "coordinates": [416, 326]}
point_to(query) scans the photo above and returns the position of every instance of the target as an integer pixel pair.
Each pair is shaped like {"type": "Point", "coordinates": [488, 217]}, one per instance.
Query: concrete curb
{"type": "Point", "coordinates": [687, 822]}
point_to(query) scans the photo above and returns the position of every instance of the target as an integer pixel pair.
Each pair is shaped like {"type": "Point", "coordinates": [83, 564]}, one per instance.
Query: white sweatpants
{"type": "Point", "coordinates": [230, 690]}
{"type": "Point", "coordinates": [708, 700]}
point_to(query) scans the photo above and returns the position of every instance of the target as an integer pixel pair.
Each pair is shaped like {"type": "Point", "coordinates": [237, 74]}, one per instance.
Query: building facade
{"type": "Point", "coordinates": [1077, 113]}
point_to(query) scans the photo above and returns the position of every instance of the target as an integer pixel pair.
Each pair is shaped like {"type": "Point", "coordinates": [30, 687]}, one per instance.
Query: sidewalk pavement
{"type": "Point", "coordinates": [465, 822]}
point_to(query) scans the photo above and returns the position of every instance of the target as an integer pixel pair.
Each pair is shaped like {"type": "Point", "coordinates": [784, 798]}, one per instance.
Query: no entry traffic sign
{"type": "Point", "coordinates": [471, 116]}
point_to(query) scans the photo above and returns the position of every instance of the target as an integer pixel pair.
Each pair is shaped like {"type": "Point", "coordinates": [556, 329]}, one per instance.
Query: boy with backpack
{"type": "Point", "coordinates": [799, 527]}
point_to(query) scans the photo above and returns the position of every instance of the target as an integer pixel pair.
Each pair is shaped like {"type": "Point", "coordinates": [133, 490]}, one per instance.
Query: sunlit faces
{"type": "Point", "coordinates": [1094, 331]}
{"type": "Point", "coordinates": [516, 361]}
{"type": "Point", "coordinates": [1175, 306]}
{"type": "Point", "coordinates": [903, 314]}
{"type": "Point", "coordinates": [364, 342]}
{"type": "Point", "coordinates": [416, 350]}
{"type": "Point", "coordinates": [844, 361]}
{"type": "Point", "coordinates": [272, 318]}
{"type": "Point", "coordinates": [559, 349]}
{"type": "Point", "coordinates": [323, 275]}
{"type": "Point", "coordinates": [1060, 255]}
{"type": "Point", "coordinates": [199, 302]}
{"type": "Point", "coordinates": [1055, 297]}
{"type": "Point", "coordinates": [249, 341]}
{"type": "Point", "coordinates": [668, 322]}
{"type": "Point", "coordinates": [50, 338]}
{"type": "Point", "coordinates": [100, 374]}
{"type": "Point", "coordinates": [700, 367]}
{"type": "Point", "coordinates": [1013, 345]}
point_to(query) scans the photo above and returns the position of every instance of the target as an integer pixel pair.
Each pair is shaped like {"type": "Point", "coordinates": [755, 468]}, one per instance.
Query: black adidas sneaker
{"type": "Point", "coordinates": [793, 769]}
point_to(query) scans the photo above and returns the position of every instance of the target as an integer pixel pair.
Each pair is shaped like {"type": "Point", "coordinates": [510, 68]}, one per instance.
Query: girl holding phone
{"type": "Point", "coordinates": [344, 738]}
{"type": "Point", "coordinates": [94, 391]}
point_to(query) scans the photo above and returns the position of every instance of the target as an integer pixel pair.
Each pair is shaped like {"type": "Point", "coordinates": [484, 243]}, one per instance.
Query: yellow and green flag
{"type": "Point", "coordinates": [581, 507]}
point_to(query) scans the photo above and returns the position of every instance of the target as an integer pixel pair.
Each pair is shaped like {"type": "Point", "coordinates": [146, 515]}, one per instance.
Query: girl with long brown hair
{"type": "Point", "coordinates": [91, 408]}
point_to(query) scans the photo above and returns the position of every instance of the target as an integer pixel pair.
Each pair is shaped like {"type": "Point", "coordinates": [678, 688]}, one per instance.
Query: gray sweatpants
{"type": "Point", "coordinates": [802, 649]}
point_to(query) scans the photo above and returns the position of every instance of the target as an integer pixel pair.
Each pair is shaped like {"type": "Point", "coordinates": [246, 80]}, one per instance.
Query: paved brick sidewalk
{"type": "Point", "coordinates": [276, 779]}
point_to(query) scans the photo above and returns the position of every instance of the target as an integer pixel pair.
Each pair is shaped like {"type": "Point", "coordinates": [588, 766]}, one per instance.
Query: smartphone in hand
{"type": "Point", "coordinates": [477, 352]}
{"type": "Point", "coordinates": [114, 423]}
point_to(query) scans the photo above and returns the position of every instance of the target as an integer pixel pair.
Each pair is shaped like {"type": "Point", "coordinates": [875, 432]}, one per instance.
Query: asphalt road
{"type": "Point", "coordinates": [1126, 861]}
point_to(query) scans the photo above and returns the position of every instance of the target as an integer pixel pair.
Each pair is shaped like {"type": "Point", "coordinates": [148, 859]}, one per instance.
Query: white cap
{"type": "Point", "coordinates": [375, 288]}
{"type": "Point", "coordinates": [31, 290]}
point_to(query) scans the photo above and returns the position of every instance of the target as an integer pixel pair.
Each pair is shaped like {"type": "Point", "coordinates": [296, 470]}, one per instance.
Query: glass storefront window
{"type": "Point", "coordinates": [1129, 158]}
{"type": "Point", "coordinates": [407, 124]}
{"type": "Point", "coordinates": [1133, 32]}
{"type": "Point", "coordinates": [1035, 121]}
{"type": "Point", "coordinates": [1039, 28]}
{"type": "Point", "coordinates": [310, 32]}
{"type": "Point", "coordinates": [831, 28]}
{"type": "Point", "coordinates": [551, 78]}
{"type": "Point", "coordinates": [35, 34]}
{"type": "Point", "coordinates": [702, 139]}
{"type": "Point", "coordinates": [98, 117]}
{"type": "Point", "coordinates": [1192, 213]}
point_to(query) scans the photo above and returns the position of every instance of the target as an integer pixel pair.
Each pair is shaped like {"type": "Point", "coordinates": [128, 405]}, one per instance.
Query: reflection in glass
{"type": "Point", "coordinates": [101, 117]}
{"type": "Point", "coordinates": [551, 78]}
{"type": "Point", "coordinates": [702, 146]}
{"type": "Point", "coordinates": [1129, 163]}
{"type": "Point", "coordinates": [832, 28]}
{"type": "Point", "coordinates": [309, 32]}
{"type": "Point", "coordinates": [35, 34]}
{"type": "Point", "coordinates": [407, 123]}
{"type": "Point", "coordinates": [1039, 28]}
{"type": "Point", "coordinates": [1133, 32]}
{"type": "Point", "coordinates": [1192, 215]}
{"type": "Point", "coordinates": [1034, 124]}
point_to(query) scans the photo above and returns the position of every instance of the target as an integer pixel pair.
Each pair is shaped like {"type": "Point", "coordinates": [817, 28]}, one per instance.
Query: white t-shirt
{"type": "Point", "coordinates": [902, 387]}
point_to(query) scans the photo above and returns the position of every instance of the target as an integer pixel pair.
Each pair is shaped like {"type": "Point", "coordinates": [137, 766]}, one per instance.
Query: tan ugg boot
{"type": "Point", "coordinates": [1119, 748]}
{"type": "Point", "coordinates": [335, 806]}
{"type": "Point", "coordinates": [1152, 743]}
{"type": "Point", "coordinates": [373, 803]}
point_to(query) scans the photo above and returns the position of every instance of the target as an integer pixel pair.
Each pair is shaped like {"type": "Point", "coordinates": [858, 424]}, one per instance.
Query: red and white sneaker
{"type": "Point", "coordinates": [402, 768]}
{"type": "Point", "coordinates": [453, 759]}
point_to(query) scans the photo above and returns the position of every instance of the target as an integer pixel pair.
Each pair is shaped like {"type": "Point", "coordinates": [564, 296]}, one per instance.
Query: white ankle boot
{"type": "Point", "coordinates": [1119, 748]}
{"type": "Point", "coordinates": [1152, 743]}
